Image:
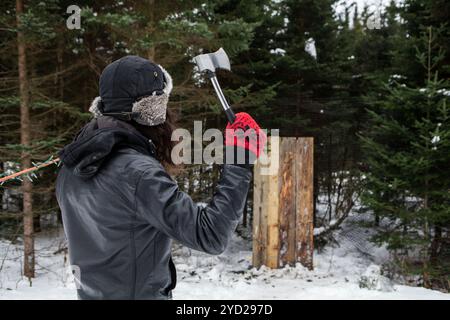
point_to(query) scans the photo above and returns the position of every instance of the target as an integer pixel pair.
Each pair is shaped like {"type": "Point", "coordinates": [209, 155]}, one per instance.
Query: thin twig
{"type": "Point", "coordinates": [28, 170]}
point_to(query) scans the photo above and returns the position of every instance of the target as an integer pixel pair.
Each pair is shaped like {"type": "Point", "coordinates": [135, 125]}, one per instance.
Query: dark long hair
{"type": "Point", "coordinates": [161, 136]}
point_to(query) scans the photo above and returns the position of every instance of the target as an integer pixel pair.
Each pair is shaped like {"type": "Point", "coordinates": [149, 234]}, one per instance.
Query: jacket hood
{"type": "Point", "coordinates": [97, 140]}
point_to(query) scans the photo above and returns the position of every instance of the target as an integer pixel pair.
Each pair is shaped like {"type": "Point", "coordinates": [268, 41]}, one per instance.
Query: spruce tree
{"type": "Point", "coordinates": [407, 154]}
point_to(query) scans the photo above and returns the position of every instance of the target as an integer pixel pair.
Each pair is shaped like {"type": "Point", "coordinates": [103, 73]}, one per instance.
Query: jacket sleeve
{"type": "Point", "coordinates": [160, 202]}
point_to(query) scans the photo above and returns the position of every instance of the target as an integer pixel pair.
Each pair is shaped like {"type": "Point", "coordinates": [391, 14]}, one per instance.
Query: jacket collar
{"type": "Point", "coordinates": [97, 141]}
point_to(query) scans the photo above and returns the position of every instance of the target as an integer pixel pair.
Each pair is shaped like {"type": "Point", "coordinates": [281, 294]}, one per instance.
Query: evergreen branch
{"type": "Point", "coordinates": [27, 171]}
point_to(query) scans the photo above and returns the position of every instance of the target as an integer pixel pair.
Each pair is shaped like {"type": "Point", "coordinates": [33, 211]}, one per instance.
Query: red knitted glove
{"type": "Point", "coordinates": [250, 136]}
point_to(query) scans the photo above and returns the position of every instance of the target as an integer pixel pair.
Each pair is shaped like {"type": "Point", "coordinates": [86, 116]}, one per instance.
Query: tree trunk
{"type": "Point", "coordinates": [244, 216]}
{"type": "Point", "coordinates": [27, 185]}
{"type": "Point", "coordinates": [151, 14]}
{"type": "Point", "coordinates": [436, 245]}
{"type": "Point", "coordinates": [330, 179]}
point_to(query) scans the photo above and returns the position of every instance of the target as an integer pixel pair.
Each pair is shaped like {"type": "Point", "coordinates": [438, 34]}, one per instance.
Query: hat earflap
{"type": "Point", "coordinates": [151, 110]}
{"type": "Point", "coordinates": [94, 109]}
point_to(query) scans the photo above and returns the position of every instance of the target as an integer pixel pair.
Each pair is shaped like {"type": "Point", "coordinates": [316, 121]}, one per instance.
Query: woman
{"type": "Point", "coordinates": [120, 207]}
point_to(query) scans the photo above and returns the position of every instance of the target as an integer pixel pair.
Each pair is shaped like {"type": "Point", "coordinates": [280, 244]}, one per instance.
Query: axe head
{"type": "Point", "coordinates": [212, 61]}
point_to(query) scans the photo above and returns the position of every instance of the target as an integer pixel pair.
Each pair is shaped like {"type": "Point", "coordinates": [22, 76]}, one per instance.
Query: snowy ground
{"type": "Point", "coordinates": [337, 274]}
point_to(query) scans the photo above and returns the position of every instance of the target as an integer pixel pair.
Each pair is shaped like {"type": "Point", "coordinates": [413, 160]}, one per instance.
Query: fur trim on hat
{"type": "Point", "coordinates": [94, 107]}
{"type": "Point", "coordinates": [169, 83]}
{"type": "Point", "coordinates": [152, 109]}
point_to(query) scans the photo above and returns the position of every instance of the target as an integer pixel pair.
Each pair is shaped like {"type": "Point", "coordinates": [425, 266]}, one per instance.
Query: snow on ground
{"type": "Point", "coordinates": [337, 274]}
{"type": "Point", "coordinates": [53, 278]}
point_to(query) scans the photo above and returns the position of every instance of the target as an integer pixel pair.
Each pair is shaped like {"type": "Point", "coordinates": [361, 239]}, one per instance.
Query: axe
{"type": "Point", "coordinates": [208, 63]}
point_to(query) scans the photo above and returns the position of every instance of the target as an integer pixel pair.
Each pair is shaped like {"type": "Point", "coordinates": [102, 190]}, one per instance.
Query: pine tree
{"type": "Point", "coordinates": [321, 95]}
{"type": "Point", "coordinates": [170, 33]}
{"type": "Point", "coordinates": [34, 119]}
{"type": "Point", "coordinates": [408, 177]}
{"type": "Point", "coordinates": [27, 186]}
{"type": "Point", "coordinates": [420, 14]}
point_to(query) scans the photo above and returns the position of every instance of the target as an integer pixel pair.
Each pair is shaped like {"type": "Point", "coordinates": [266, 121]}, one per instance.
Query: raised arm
{"type": "Point", "coordinates": [164, 206]}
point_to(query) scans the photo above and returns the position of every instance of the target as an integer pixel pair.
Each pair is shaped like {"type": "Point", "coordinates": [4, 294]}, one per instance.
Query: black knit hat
{"type": "Point", "coordinates": [134, 88]}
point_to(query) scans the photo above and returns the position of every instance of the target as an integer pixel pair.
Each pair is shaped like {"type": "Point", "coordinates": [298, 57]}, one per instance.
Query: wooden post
{"type": "Point", "coordinates": [283, 207]}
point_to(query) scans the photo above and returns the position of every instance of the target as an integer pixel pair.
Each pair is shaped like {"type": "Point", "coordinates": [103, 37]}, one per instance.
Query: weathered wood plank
{"type": "Point", "coordinates": [257, 213]}
{"type": "Point", "coordinates": [273, 227]}
{"type": "Point", "coordinates": [304, 201]}
{"type": "Point", "coordinates": [264, 194]}
{"type": "Point", "coordinates": [287, 196]}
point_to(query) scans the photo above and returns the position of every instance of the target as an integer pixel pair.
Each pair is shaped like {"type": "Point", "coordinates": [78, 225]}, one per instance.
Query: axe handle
{"type": "Point", "coordinates": [230, 114]}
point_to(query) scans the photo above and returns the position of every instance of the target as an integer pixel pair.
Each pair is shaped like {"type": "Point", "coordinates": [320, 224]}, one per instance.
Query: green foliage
{"type": "Point", "coordinates": [407, 149]}
{"type": "Point", "coordinates": [235, 35]}
{"type": "Point", "coordinates": [38, 22]}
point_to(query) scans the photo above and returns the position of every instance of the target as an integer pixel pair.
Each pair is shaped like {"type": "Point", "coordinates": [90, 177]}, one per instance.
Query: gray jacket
{"type": "Point", "coordinates": [121, 209]}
